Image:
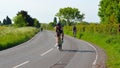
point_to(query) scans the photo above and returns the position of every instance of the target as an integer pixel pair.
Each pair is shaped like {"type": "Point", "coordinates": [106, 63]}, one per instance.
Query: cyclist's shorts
{"type": "Point", "coordinates": [59, 33]}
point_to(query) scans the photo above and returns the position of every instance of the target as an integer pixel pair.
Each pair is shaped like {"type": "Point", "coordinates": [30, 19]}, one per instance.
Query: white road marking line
{"type": "Point", "coordinates": [21, 64]}
{"type": "Point", "coordinates": [96, 57]}
{"type": "Point", "coordinates": [94, 63]}
{"type": "Point", "coordinates": [46, 52]}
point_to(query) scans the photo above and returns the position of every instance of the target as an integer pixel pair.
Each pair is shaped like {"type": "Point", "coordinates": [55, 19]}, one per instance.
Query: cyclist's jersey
{"type": "Point", "coordinates": [59, 30]}
{"type": "Point", "coordinates": [74, 28]}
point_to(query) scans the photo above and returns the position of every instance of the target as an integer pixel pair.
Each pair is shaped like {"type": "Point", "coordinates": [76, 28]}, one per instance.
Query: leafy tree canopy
{"type": "Point", "coordinates": [109, 11]}
{"type": "Point", "coordinates": [36, 23]}
{"type": "Point", "coordinates": [19, 21]}
{"type": "Point", "coordinates": [23, 19]}
{"type": "Point", "coordinates": [70, 15]}
{"type": "Point", "coordinates": [29, 20]}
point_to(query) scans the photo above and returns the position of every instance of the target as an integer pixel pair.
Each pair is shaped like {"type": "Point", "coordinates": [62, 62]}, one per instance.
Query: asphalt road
{"type": "Point", "coordinates": [41, 52]}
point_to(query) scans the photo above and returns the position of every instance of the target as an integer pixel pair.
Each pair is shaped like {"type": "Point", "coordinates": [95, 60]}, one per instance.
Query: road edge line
{"type": "Point", "coordinates": [96, 57]}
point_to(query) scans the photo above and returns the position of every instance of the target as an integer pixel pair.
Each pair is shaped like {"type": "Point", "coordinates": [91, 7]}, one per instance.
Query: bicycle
{"type": "Point", "coordinates": [59, 43]}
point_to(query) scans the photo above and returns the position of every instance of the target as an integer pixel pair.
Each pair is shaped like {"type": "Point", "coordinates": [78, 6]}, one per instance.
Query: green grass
{"type": "Point", "coordinates": [110, 43]}
{"type": "Point", "coordinates": [11, 36]}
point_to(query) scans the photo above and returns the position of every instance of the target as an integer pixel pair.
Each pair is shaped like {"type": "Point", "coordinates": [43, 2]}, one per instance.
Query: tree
{"type": "Point", "coordinates": [70, 15]}
{"type": "Point", "coordinates": [4, 22]}
{"type": "Point", "coordinates": [19, 21]}
{"type": "Point", "coordinates": [63, 22]}
{"type": "Point", "coordinates": [52, 24]}
{"type": "Point", "coordinates": [23, 19]}
{"type": "Point", "coordinates": [55, 20]}
{"type": "Point", "coordinates": [109, 11]}
{"type": "Point", "coordinates": [7, 21]}
{"type": "Point", "coordinates": [0, 23]}
{"type": "Point", "coordinates": [36, 23]}
{"type": "Point", "coordinates": [29, 20]}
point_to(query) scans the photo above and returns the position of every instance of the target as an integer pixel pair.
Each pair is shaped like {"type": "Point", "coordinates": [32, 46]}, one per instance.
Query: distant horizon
{"type": "Point", "coordinates": [45, 10]}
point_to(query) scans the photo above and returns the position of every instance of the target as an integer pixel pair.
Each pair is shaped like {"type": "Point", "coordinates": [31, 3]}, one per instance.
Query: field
{"type": "Point", "coordinates": [105, 36]}
{"type": "Point", "coordinates": [12, 36]}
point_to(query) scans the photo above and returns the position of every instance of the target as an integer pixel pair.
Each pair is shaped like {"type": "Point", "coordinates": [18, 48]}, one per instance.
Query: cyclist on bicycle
{"type": "Point", "coordinates": [74, 31]}
{"type": "Point", "coordinates": [59, 35]}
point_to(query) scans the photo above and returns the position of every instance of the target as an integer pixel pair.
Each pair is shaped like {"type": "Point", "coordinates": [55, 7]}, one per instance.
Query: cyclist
{"type": "Point", "coordinates": [74, 31]}
{"type": "Point", "coordinates": [59, 35]}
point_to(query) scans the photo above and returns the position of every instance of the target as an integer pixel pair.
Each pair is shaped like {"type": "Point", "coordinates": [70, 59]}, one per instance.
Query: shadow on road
{"type": "Point", "coordinates": [66, 50]}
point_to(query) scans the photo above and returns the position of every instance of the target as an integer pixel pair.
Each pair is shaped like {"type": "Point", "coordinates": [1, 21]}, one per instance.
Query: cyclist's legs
{"type": "Point", "coordinates": [58, 39]}
{"type": "Point", "coordinates": [74, 33]}
{"type": "Point", "coordinates": [59, 42]}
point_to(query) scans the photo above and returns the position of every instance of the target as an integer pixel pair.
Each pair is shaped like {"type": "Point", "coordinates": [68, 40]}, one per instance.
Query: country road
{"type": "Point", "coordinates": [41, 52]}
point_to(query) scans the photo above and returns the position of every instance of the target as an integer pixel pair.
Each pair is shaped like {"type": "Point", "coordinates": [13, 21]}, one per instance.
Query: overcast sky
{"type": "Point", "coordinates": [45, 10]}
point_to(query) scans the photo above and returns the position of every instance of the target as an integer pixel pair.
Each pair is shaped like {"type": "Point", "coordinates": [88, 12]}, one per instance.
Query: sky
{"type": "Point", "coordinates": [45, 10]}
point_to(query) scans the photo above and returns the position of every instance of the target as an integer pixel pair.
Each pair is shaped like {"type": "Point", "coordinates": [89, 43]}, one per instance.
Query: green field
{"type": "Point", "coordinates": [108, 40]}
{"type": "Point", "coordinates": [12, 36]}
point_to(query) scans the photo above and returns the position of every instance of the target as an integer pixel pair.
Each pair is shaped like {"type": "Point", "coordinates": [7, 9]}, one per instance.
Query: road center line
{"type": "Point", "coordinates": [21, 64]}
{"type": "Point", "coordinates": [46, 52]}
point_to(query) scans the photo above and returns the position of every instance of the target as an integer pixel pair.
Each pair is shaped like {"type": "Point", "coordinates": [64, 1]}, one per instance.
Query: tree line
{"type": "Point", "coordinates": [109, 13]}
{"type": "Point", "coordinates": [6, 21]}
{"type": "Point", "coordinates": [21, 19]}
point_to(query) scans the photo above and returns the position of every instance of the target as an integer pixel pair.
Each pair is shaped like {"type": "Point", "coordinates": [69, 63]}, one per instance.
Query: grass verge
{"type": "Point", "coordinates": [110, 43]}
{"type": "Point", "coordinates": [11, 36]}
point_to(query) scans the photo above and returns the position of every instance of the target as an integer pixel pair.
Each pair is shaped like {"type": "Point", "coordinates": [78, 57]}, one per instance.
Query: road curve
{"type": "Point", "coordinates": [41, 52]}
